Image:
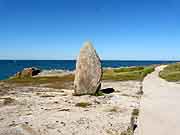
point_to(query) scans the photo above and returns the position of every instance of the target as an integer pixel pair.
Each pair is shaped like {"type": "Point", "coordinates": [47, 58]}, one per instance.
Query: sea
{"type": "Point", "coordinates": [10, 67]}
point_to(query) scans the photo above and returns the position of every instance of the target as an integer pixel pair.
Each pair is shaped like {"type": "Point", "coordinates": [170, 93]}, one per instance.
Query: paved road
{"type": "Point", "coordinates": [160, 107]}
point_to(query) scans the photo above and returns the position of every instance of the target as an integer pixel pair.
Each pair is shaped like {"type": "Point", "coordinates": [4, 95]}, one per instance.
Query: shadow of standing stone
{"type": "Point", "coordinates": [107, 90]}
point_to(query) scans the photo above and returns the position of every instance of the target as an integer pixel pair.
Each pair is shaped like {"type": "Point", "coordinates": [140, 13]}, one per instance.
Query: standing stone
{"type": "Point", "coordinates": [88, 71]}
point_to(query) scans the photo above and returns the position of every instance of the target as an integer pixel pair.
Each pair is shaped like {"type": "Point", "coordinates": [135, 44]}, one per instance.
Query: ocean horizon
{"type": "Point", "coordinates": [10, 67]}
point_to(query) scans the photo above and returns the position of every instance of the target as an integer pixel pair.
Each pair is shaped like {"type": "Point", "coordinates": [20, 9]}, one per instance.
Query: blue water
{"type": "Point", "coordinates": [10, 67]}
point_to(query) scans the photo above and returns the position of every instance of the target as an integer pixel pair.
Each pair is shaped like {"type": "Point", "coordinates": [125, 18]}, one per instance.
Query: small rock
{"type": "Point", "coordinates": [64, 124]}
{"type": "Point", "coordinates": [28, 72]}
{"type": "Point", "coordinates": [56, 102]}
{"type": "Point", "coordinates": [1, 119]}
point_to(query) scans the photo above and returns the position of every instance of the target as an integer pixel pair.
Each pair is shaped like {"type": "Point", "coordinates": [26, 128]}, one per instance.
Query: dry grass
{"type": "Point", "coordinates": [8, 101]}
{"type": "Point", "coordinates": [127, 132]}
{"type": "Point", "coordinates": [135, 112]}
{"type": "Point", "coordinates": [63, 82]}
{"type": "Point", "coordinates": [83, 104]}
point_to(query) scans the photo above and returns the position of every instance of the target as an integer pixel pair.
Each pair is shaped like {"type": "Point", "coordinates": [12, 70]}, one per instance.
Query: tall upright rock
{"type": "Point", "coordinates": [88, 71]}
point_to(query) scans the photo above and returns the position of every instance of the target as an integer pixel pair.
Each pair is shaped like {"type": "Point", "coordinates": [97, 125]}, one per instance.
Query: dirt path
{"type": "Point", "coordinates": [160, 106]}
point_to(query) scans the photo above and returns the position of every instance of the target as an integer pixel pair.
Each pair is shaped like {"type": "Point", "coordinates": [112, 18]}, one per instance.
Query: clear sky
{"type": "Point", "coordinates": [118, 29]}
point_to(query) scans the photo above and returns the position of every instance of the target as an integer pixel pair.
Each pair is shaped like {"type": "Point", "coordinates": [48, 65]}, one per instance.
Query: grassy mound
{"type": "Point", "coordinates": [58, 82]}
{"type": "Point", "coordinates": [125, 74]}
{"type": "Point", "coordinates": [171, 72]}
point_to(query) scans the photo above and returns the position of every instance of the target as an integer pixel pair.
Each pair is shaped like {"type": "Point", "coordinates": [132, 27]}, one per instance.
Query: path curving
{"type": "Point", "coordinates": [160, 106]}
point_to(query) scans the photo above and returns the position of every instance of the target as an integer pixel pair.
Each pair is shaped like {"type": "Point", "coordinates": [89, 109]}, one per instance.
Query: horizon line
{"type": "Point", "coordinates": [101, 60]}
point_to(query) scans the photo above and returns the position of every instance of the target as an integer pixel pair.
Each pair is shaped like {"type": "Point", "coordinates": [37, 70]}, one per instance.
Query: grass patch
{"type": "Point", "coordinates": [171, 72]}
{"type": "Point", "coordinates": [99, 93]}
{"type": "Point", "coordinates": [66, 82]}
{"type": "Point", "coordinates": [129, 73]}
{"type": "Point", "coordinates": [135, 112]}
{"type": "Point", "coordinates": [83, 104]}
{"type": "Point", "coordinates": [62, 82]}
{"type": "Point", "coordinates": [129, 131]}
{"type": "Point", "coordinates": [8, 101]}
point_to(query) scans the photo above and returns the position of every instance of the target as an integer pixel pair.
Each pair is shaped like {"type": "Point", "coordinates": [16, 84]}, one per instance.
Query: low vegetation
{"type": "Point", "coordinates": [135, 112]}
{"type": "Point", "coordinates": [66, 82]}
{"type": "Point", "coordinates": [51, 81]}
{"type": "Point", "coordinates": [128, 132]}
{"type": "Point", "coordinates": [83, 104]}
{"type": "Point", "coordinates": [99, 93]}
{"type": "Point", "coordinates": [125, 74]}
{"type": "Point", "coordinates": [8, 101]}
{"type": "Point", "coordinates": [171, 72]}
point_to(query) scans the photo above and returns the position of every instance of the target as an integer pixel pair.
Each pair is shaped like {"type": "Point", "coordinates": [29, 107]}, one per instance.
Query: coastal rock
{"type": "Point", "coordinates": [88, 71]}
{"type": "Point", "coordinates": [28, 72]}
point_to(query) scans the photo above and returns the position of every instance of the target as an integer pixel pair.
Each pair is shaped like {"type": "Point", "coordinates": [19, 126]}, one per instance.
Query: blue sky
{"type": "Point", "coordinates": [118, 29]}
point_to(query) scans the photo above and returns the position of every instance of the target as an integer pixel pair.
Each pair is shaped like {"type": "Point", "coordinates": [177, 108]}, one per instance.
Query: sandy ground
{"type": "Point", "coordinates": [160, 107]}
{"type": "Point", "coordinates": [47, 111]}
